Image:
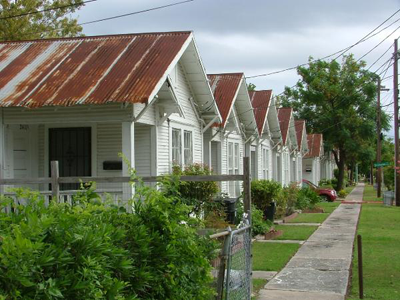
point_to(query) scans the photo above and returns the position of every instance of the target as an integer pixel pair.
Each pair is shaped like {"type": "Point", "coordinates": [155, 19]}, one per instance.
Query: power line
{"type": "Point", "coordinates": [377, 45]}
{"type": "Point", "coordinates": [135, 13]}
{"type": "Point", "coordinates": [390, 47]}
{"type": "Point", "coordinates": [122, 16]}
{"type": "Point", "coordinates": [46, 10]}
{"type": "Point", "coordinates": [342, 51]}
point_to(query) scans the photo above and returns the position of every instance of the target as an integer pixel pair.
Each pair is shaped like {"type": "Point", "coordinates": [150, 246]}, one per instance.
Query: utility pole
{"type": "Point", "coordinates": [379, 140]}
{"type": "Point", "coordinates": [396, 122]}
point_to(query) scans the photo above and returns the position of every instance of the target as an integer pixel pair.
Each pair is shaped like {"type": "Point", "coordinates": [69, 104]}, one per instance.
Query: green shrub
{"type": "Point", "coordinates": [388, 175]}
{"type": "Point", "coordinates": [197, 194]}
{"type": "Point", "coordinates": [307, 198]}
{"type": "Point", "coordinates": [259, 225]}
{"type": "Point", "coordinates": [97, 251]}
{"type": "Point", "coordinates": [287, 199]}
{"type": "Point", "coordinates": [342, 194]}
{"type": "Point", "coordinates": [263, 192]}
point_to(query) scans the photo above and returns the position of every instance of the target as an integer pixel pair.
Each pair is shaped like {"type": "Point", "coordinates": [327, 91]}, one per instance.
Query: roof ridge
{"type": "Point", "coordinates": [103, 36]}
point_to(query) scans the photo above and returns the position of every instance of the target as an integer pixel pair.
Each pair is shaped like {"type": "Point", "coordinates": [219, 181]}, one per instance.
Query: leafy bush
{"type": "Point", "coordinates": [388, 175]}
{"type": "Point", "coordinates": [197, 194]}
{"type": "Point", "coordinates": [263, 192]}
{"type": "Point", "coordinates": [97, 251]}
{"type": "Point", "coordinates": [307, 198]}
{"type": "Point", "coordinates": [259, 225]}
{"type": "Point", "coordinates": [342, 194]}
{"type": "Point", "coordinates": [287, 199]}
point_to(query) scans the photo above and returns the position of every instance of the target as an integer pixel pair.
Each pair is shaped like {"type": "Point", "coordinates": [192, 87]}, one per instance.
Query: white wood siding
{"type": "Point", "coordinates": [72, 114]}
{"type": "Point", "coordinates": [189, 122]}
{"type": "Point", "coordinates": [143, 150]}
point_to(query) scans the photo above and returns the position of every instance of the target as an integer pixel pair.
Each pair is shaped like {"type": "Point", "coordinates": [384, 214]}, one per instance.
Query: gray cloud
{"type": "Point", "coordinates": [257, 36]}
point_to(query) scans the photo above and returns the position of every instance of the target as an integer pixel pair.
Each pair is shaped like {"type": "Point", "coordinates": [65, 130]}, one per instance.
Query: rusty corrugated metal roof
{"type": "Point", "coordinates": [225, 87]}
{"type": "Point", "coordinates": [300, 128]}
{"type": "Point", "coordinates": [260, 101]}
{"type": "Point", "coordinates": [86, 70]}
{"type": "Point", "coordinates": [284, 115]}
{"type": "Point", "coordinates": [314, 145]}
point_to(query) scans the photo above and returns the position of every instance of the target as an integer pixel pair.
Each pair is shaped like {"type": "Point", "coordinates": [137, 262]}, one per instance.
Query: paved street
{"type": "Point", "coordinates": [321, 267]}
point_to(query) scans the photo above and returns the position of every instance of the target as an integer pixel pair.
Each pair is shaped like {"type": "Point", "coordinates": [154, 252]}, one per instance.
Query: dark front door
{"type": "Point", "coordinates": [71, 147]}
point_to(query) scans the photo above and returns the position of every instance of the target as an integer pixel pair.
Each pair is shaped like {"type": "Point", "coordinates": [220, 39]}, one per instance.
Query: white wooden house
{"type": "Point", "coordinates": [312, 160]}
{"type": "Point", "coordinates": [302, 145]}
{"type": "Point", "coordinates": [269, 135]}
{"type": "Point", "coordinates": [328, 165]}
{"type": "Point", "coordinates": [81, 101]}
{"type": "Point", "coordinates": [228, 141]}
{"type": "Point", "coordinates": [288, 149]}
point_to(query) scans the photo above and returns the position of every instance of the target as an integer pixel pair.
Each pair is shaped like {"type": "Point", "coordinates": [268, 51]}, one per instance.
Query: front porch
{"type": "Point", "coordinates": [85, 140]}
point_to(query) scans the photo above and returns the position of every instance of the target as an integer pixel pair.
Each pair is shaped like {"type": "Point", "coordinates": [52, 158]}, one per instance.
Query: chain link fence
{"type": "Point", "coordinates": [233, 269]}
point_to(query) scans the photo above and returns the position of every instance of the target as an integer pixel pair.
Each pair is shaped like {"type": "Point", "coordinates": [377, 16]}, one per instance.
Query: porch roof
{"type": "Point", "coordinates": [314, 145]}
{"type": "Point", "coordinates": [260, 101]}
{"type": "Point", "coordinates": [88, 70]}
{"type": "Point", "coordinates": [284, 115]}
{"type": "Point", "coordinates": [301, 134]}
{"type": "Point", "coordinates": [233, 100]}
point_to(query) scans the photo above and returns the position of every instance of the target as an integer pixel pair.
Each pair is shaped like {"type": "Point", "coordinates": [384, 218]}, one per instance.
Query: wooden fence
{"type": "Point", "coordinates": [55, 180]}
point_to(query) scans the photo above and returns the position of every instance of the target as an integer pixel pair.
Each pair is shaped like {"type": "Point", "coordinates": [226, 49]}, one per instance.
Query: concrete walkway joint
{"type": "Point", "coordinates": [321, 267]}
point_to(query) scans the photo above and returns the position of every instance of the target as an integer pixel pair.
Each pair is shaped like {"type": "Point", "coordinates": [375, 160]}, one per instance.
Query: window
{"type": "Point", "coordinates": [265, 163]}
{"type": "Point", "coordinates": [237, 183]}
{"type": "Point", "coordinates": [230, 169]}
{"type": "Point", "coordinates": [177, 150]}
{"type": "Point", "coordinates": [187, 148]}
{"type": "Point", "coordinates": [176, 146]}
{"type": "Point", "coordinates": [286, 162]}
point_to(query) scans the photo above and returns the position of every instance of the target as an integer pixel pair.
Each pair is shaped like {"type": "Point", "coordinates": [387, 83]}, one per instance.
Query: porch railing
{"type": "Point", "coordinates": [66, 196]}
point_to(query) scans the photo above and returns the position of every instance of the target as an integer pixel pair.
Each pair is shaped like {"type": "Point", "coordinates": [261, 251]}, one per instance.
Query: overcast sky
{"type": "Point", "coordinates": [259, 36]}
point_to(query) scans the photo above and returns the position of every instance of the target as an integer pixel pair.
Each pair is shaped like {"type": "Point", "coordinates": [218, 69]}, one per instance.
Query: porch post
{"type": "Point", "coordinates": [128, 150]}
{"type": "Point", "coordinates": [2, 149]}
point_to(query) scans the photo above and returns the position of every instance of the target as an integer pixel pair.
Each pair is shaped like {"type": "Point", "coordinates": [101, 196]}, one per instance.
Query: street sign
{"type": "Point", "coordinates": [381, 164]}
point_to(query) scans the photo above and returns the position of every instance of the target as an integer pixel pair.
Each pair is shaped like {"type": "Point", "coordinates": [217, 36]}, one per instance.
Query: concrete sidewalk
{"type": "Point", "coordinates": [321, 267]}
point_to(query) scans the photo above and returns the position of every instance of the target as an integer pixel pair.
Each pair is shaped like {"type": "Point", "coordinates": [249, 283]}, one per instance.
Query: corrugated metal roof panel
{"type": "Point", "coordinates": [284, 115]}
{"type": "Point", "coordinates": [260, 101]}
{"type": "Point", "coordinates": [314, 145]}
{"type": "Point", "coordinates": [225, 88]}
{"type": "Point", "coordinates": [88, 70]}
{"type": "Point", "coordinates": [300, 127]}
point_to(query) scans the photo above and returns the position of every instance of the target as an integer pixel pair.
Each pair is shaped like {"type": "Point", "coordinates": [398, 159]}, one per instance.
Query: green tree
{"type": "Point", "coordinates": [338, 99]}
{"type": "Point", "coordinates": [51, 21]}
{"type": "Point", "coordinates": [251, 87]}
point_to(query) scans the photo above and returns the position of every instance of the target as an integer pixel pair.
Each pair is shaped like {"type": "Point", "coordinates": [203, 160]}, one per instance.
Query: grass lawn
{"type": "Point", "coordinates": [295, 232]}
{"type": "Point", "coordinates": [258, 284]}
{"type": "Point", "coordinates": [380, 230]}
{"type": "Point", "coordinates": [329, 206]}
{"type": "Point", "coordinates": [370, 194]}
{"type": "Point", "coordinates": [310, 218]}
{"type": "Point", "coordinates": [271, 256]}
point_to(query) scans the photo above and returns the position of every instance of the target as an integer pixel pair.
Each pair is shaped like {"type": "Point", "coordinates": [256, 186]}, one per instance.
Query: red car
{"type": "Point", "coordinates": [325, 193]}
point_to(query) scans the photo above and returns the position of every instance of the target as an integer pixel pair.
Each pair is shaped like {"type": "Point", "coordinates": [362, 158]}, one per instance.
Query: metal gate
{"type": "Point", "coordinates": [235, 269]}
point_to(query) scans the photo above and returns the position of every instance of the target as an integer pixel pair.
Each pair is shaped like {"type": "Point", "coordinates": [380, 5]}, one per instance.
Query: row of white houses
{"type": "Point", "coordinates": [82, 101]}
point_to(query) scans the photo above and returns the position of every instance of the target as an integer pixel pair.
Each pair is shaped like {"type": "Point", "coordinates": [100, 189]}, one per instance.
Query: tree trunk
{"type": "Point", "coordinates": [352, 173]}
{"type": "Point", "coordinates": [341, 166]}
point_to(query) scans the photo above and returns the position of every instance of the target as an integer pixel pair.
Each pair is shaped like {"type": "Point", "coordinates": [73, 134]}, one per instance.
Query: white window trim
{"type": "Point", "coordinates": [182, 154]}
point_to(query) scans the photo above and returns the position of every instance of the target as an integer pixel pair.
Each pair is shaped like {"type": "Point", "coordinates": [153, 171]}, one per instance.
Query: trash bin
{"type": "Point", "coordinates": [388, 198]}
{"type": "Point", "coordinates": [270, 211]}
{"type": "Point", "coordinates": [230, 209]}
